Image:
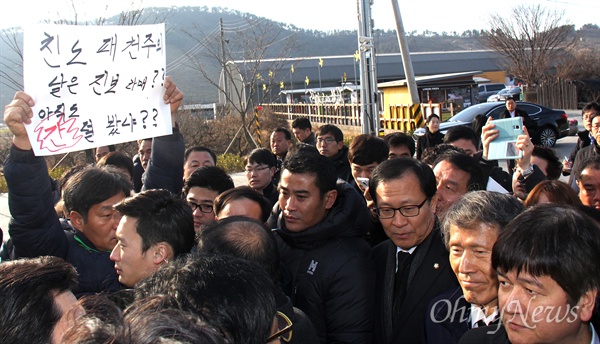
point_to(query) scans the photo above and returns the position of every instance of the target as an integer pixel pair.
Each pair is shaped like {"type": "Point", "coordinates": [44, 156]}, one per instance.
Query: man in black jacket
{"type": "Point", "coordinates": [330, 143]}
{"type": "Point", "coordinates": [319, 232]}
{"type": "Point", "coordinates": [89, 197]}
{"type": "Point", "coordinates": [585, 137]}
{"type": "Point", "coordinates": [412, 267]}
{"type": "Point", "coordinates": [512, 111]}
{"type": "Point", "coordinates": [302, 130]}
{"type": "Point", "coordinates": [585, 153]}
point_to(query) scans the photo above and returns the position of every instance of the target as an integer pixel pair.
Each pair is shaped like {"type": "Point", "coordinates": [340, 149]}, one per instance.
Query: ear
{"type": "Point", "coordinates": [330, 197]}
{"type": "Point", "coordinates": [340, 145]}
{"type": "Point", "coordinates": [433, 203]}
{"type": "Point", "coordinates": [272, 169]}
{"type": "Point", "coordinates": [162, 252]}
{"type": "Point", "coordinates": [76, 220]}
{"type": "Point", "coordinates": [586, 304]}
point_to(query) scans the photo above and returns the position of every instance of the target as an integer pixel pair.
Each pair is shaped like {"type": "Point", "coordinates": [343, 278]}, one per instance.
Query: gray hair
{"type": "Point", "coordinates": [477, 207]}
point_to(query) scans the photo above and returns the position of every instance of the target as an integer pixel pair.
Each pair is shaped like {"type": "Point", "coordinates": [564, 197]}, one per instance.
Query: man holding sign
{"type": "Point", "coordinates": [86, 241]}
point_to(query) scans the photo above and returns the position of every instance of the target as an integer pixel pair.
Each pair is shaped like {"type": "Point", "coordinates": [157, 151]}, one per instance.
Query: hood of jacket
{"type": "Point", "coordinates": [349, 217]}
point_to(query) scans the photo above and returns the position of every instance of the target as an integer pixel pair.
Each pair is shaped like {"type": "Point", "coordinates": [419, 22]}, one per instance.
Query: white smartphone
{"type": "Point", "coordinates": [363, 181]}
{"type": "Point", "coordinates": [505, 145]}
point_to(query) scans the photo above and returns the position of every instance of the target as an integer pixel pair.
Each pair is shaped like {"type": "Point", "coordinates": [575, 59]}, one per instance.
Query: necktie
{"type": "Point", "coordinates": [480, 323]}
{"type": "Point", "coordinates": [401, 279]}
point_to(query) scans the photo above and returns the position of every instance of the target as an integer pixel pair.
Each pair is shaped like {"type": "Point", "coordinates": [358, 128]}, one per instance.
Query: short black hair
{"type": "Point", "coordinates": [309, 161]}
{"type": "Point", "coordinates": [234, 295]}
{"type": "Point", "coordinates": [430, 117]}
{"type": "Point", "coordinates": [398, 168]}
{"type": "Point", "coordinates": [430, 154]}
{"type": "Point", "coordinates": [302, 123]}
{"type": "Point", "coordinates": [589, 163]}
{"type": "Point", "coordinates": [333, 130]}
{"type": "Point", "coordinates": [401, 139]}
{"type": "Point", "coordinates": [159, 319]}
{"type": "Point", "coordinates": [200, 149]}
{"type": "Point", "coordinates": [102, 322]}
{"type": "Point", "coordinates": [466, 163]}
{"type": "Point", "coordinates": [366, 149]}
{"type": "Point", "coordinates": [118, 160]}
{"type": "Point", "coordinates": [92, 186]}
{"type": "Point", "coordinates": [261, 156]}
{"type": "Point", "coordinates": [242, 192]}
{"type": "Point", "coordinates": [461, 132]}
{"type": "Point", "coordinates": [555, 167]}
{"type": "Point", "coordinates": [28, 312]}
{"type": "Point", "coordinates": [286, 133]}
{"type": "Point", "coordinates": [242, 237]}
{"type": "Point", "coordinates": [552, 240]}
{"type": "Point", "coordinates": [591, 106]}
{"type": "Point", "coordinates": [161, 217]}
{"type": "Point", "coordinates": [209, 177]}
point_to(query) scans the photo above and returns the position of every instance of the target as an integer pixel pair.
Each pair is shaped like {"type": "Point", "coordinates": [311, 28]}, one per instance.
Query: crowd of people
{"type": "Point", "coordinates": [384, 240]}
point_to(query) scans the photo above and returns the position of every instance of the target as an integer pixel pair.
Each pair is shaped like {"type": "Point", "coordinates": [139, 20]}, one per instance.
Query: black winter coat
{"type": "Point", "coordinates": [331, 276]}
{"type": "Point", "coordinates": [428, 140]}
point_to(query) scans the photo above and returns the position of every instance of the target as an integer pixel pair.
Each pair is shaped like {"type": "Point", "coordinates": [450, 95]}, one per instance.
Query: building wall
{"type": "Point", "coordinates": [497, 76]}
{"type": "Point", "coordinates": [394, 96]}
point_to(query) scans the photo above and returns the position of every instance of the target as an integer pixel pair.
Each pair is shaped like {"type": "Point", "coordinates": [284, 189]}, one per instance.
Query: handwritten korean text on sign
{"type": "Point", "coordinates": [94, 85]}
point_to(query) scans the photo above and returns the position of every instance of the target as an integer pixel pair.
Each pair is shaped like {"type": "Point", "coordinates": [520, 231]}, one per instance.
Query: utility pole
{"type": "Point", "coordinates": [368, 72]}
{"type": "Point", "coordinates": [223, 63]}
{"type": "Point", "coordinates": [406, 60]}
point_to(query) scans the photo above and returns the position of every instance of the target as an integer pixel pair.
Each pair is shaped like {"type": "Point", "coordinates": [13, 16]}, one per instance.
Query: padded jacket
{"type": "Point", "coordinates": [331, 275]}
{"type": "Point", "coordinates": [36, 230]}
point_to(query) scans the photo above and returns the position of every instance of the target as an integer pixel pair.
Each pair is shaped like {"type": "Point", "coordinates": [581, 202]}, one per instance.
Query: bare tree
{"type": "Point", "coordinates": [259, 50]}
{"type": "Point", "coordinates": [530, 39]}
{"type": "Point", "coordinates": [580, 64]}
{"type": "Point", "coordinates": [11, 73]}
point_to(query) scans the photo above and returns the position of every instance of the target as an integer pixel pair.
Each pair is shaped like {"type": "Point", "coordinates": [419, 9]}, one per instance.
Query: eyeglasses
{"type": "Point", "coordinates": [205, 208]}
{"type": "Point", "coordinates": [284, 328]}
{"type": "Point", "coordinates": [406, 211]}
{"type": "Point", "coordinates": [257, 169]}
{"type": "Point", "coordinates": [328, 140]}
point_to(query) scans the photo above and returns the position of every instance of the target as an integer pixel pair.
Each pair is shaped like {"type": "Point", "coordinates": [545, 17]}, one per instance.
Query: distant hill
{"type": "Point", "coordinates": [187, 26]}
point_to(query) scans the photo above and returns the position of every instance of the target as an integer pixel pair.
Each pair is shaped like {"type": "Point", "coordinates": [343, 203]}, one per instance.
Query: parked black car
{"type": "Point", "coordinates": [551, 125]}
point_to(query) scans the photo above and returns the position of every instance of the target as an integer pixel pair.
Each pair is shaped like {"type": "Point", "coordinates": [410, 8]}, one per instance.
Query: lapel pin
{"type": "Point", "coordinates": [436, 266]}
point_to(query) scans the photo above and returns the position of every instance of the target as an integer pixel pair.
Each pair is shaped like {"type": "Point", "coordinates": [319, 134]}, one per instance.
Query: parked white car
{"type": "Point", "coordinates": [501, 96]}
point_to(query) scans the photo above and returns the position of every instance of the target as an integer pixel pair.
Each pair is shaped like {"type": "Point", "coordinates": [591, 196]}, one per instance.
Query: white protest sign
{"type": "Point", "coordinates": [94, 85]}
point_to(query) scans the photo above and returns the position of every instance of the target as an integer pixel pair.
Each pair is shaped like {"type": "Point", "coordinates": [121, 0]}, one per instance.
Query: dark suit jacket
{"type": "Point", "coordinates": [448, 317]}
{"type": "Point", "coordinates": [430, 274]}
{"type": "Point", "coordinates": [485, 335]}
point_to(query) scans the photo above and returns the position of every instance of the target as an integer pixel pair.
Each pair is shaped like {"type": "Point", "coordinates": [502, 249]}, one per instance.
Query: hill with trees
{"type": "Point", "coordinates": [194, 31]}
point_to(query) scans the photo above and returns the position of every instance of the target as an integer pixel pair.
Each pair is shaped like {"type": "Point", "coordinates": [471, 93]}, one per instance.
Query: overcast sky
{"type": "Point", "coordinates": [420, 15]}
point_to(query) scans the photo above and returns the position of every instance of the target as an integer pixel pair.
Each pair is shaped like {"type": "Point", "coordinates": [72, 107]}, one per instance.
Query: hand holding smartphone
{"type": "Point", "coordinates": [505, 145]}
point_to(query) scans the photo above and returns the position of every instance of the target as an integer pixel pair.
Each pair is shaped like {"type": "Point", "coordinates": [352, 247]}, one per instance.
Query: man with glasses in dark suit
{"type": "Point", "coordinates": [412, 267]}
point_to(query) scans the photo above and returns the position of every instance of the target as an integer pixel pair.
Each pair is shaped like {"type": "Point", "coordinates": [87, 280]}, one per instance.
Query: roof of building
{"type": "Point", "coordinates": [389, 66]}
